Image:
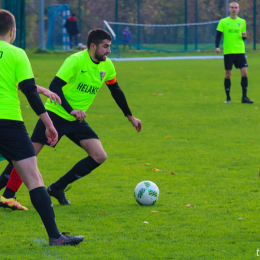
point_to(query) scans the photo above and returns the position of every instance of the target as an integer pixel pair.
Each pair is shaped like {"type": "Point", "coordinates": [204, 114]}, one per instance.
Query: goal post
{"type": "Point", "coordinates": [57, 34]}
{"type": "Point", "coordinates": [166, 37]}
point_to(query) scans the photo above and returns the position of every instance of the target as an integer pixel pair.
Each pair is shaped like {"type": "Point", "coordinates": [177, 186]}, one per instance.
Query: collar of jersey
{"type": "Point", "coordinates": [89, 61]}
{"type": "Point", "coordinates": [233, 19]}
{"type": "Point", "coordinates": [4, 43]}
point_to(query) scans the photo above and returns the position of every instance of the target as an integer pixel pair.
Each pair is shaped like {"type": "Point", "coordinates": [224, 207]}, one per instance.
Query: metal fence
{"type": "Point", "coordinates": [92, 13]}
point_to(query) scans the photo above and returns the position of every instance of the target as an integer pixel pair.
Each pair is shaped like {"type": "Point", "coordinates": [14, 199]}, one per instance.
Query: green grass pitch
{"type": "Point", "coordinates": [208, 209]}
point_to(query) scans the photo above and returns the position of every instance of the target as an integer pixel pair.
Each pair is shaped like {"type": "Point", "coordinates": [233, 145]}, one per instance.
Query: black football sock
{"type": "Point", "coordinates": [42, 203]}
{"type": "Point", "coordinates": [79, 170]}
{"type": "Point", "coordinates": [5, 175]}
{"type": "Point", "coordinates": [8, 193]}
{"type": "Point", "coordinates": [227, 84]}
{"type": "Point", "coordinates": [244, 83]}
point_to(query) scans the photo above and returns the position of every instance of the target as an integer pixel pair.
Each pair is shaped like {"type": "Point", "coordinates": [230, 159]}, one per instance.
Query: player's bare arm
{"type": "Point", "coordinates": [50, 132]}
{"type": "Point", "coordinates": [29, 89]}
{"type": "Point", "coordinates": [135, 122]}
{"type": "Point", "coordinates": [51, 95]}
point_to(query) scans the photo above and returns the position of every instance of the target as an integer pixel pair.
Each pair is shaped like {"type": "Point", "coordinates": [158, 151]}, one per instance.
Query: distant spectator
{"type": "Point", "coordinates": [71, 26]}
{"type": "Point", "coordinates": [127, 38]}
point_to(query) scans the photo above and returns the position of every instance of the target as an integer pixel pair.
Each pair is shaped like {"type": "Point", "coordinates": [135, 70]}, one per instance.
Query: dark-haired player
{"type": "Point", "coordinates": [77, 83]}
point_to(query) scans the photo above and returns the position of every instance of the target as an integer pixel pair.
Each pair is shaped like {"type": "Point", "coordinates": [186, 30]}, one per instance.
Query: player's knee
{"type": "Point", "coordinates": [34, 181]}
{"type": "Point", "coordinates": [99, 157]}
{"type": "Point", "coordinates": [228, 74]}
{"type": "Point", "coordinates": [102, 157]}
{"type": "Point", "coordinates": [244, 74]}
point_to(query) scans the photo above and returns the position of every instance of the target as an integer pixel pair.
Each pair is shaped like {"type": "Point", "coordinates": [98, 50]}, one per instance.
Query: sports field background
{"type": "Point", "coordinates": [207, 209]}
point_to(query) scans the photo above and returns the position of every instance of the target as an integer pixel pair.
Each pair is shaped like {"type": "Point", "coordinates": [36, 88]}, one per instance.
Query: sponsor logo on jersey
{"type": "Point", "coordinates": [233, 31]}
{"type": "Point", "coordinates": [87, 88]}
{"type": "Point", "coordinates": [102, 75]}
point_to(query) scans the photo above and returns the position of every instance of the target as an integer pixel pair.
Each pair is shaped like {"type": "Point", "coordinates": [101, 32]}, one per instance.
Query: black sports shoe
{"type": "Point", "coordinates": [59, 195]}
{"type": "Point", "coordinates": [64, 240]}
{"type": "Point", "coordinates": [247, 100]}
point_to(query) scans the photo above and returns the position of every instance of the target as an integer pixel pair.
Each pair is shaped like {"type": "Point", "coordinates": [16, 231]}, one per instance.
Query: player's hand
{"type": "Point", "coordinates": [218, 50]}
{"type": "Point", "coordinates": [135, 122]}
{"type": "Point", "coordinates": [52, 96]}
{"type": "Point", "coordinates": [52, 135]}
{"type": "Point", "coordinates": [78, 114]}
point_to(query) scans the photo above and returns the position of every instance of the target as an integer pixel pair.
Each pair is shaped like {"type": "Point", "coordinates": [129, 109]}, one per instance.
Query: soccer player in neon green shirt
{"type": "Point", "coordinates": [77, 83]}
{"type": "Point", "coordinates": [8, 200]}
{"type": "Point", "coordinates": [234, 30]}
{"type": "Point", "coordinates": [15, 144]}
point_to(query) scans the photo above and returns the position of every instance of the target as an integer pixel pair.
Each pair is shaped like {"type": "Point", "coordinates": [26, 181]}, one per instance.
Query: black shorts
{"type": "Point", "coordinates": [74, 130]}
{"type": "Point", "coordinates": [15, 143]}
{"type": "Point", "coordinates": [239, 60]}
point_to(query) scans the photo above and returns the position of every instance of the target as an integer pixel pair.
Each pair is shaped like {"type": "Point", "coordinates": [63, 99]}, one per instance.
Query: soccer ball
{"type": "Point", "coordinates": [146, 193]}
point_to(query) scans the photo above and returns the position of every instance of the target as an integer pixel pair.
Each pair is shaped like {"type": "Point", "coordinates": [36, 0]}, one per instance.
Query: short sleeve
{"type": "Point", "coordinates": [23, 68]}
{"type": "Point", "coordinates": [220, 26]}
{"type": "Point", "coordinates": [68, 69]}
{"type": "Point", "coordinates": [111, 71]}
{"type": "Point", "coordinates": [244, 27]}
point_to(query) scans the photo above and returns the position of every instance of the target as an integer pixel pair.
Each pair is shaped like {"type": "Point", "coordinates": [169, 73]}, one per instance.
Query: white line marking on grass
{"type": "Point", "coordinates": [169, 58]}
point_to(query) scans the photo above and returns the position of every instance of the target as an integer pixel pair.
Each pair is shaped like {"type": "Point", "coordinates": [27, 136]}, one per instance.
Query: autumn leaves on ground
{"type": "Point", "coordinates": [202, 154]}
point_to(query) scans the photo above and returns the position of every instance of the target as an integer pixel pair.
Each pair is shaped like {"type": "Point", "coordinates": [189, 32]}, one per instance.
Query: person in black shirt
{"type": "Point", "coordinates": [71, 26]}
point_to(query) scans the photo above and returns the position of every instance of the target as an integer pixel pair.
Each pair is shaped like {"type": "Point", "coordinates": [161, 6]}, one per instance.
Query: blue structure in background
{"type": "Point", "coordinates": [53, 12]}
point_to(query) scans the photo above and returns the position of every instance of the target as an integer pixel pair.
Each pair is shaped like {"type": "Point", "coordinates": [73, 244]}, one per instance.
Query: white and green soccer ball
{"type": "Point", "coordinates": [146, 193]}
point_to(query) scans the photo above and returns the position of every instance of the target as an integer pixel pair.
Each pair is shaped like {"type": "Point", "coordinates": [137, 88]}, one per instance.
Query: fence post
{"type": "Point", "coordinates": [254, 25]}
{"type": "Point", "coordinates": [41, 25]}
{"type": "Point", "coordinates": [79, 6]}
{"type": "Point", "coordinates": [196, 26]}
{"type": "Point", "coordinates": [116, 20]}
{"type": "Point", "coordinates": [227, 6]}
{"type": "Point", "coordinates": [138, 21]}
{"type": "Point", "coordinates": [186, 27]}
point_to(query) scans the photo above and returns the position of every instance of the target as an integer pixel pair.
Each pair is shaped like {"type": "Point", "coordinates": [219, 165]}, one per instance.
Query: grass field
{"type": "Point", "coordinates": [208, 209]}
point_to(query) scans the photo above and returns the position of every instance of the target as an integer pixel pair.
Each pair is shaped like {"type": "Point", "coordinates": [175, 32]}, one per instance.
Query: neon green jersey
{"type": "Point", "coordinates": [84, 78]}
{"type": "Point", "coordinates": [14, 68]}
{"type": "Point", "coordinates": [232, 30]}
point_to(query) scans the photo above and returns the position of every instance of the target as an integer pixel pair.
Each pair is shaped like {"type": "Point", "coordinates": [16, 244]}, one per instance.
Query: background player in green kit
{"type": "Point", "coordinates": [77, 83]}
{"type": "Point", "coordinates": [234, 30]}
{"type": "Point", "coordinates": [15, 144]}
